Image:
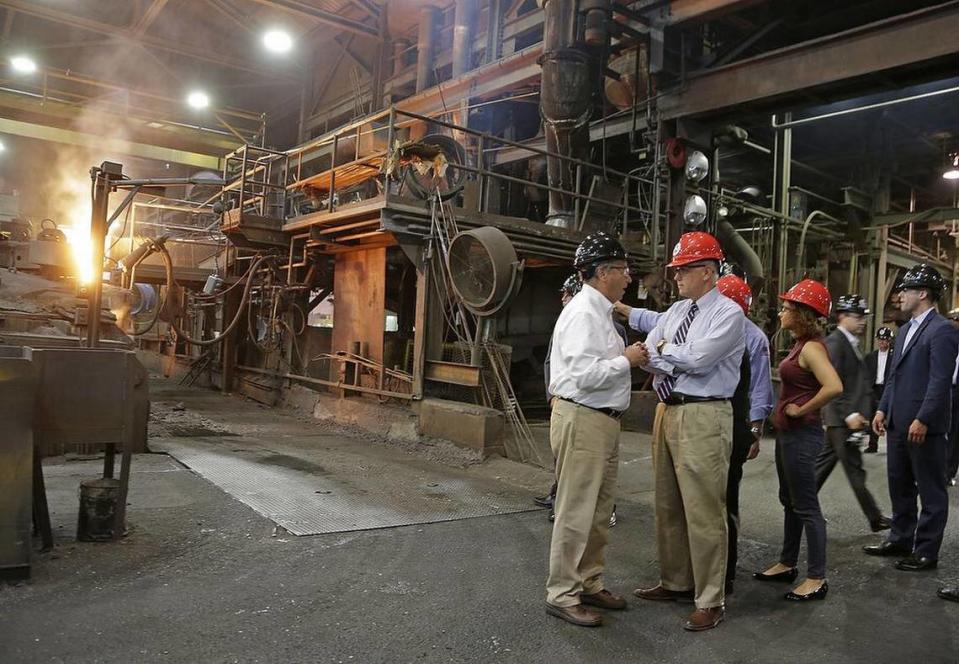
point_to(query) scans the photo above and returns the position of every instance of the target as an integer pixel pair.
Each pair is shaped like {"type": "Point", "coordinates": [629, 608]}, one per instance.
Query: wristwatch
{"type": "Point", "coordinates": [756, 431]}
{"type": "Point", "coordinates": [659, 346]}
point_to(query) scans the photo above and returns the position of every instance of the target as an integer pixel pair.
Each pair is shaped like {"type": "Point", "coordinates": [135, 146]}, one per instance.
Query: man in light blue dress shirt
{"type": "Point", "coordinates": [695, 352]}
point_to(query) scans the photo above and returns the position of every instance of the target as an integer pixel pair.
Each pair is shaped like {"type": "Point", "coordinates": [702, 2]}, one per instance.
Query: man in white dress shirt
{"type": "Point", "coordinates": [879, 365]}
{"type": "Point", "coordinates": [590, 368]}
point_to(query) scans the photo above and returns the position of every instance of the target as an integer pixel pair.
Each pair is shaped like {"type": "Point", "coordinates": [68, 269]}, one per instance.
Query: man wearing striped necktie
{"type": "Point", "coordinates": [699, 344]}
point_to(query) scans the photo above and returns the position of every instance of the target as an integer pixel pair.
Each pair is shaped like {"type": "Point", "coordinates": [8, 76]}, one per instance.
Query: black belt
{"type": "Point", "coordinates": [678, 399]}
{"type": "Point", "coordinates": [609, 412]}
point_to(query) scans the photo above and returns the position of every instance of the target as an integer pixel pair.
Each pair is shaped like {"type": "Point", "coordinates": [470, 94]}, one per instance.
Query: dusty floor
{"type": "Point", "coordinates": [203, 578]}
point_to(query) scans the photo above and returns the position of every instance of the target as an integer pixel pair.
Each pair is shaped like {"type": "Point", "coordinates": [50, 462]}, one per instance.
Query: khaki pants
{"type": "Point", "coordinates": [691, 449]}
{"type": "Point", "coordinates": [586, 447]}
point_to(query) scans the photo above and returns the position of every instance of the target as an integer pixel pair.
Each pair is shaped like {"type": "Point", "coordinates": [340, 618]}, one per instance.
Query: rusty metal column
{"type": "Point", "coordinates": [425, 47]}
{"type": "Point", "coordinates": [98, 233]}
{"type": "Point", "coordinates": [464, 20]}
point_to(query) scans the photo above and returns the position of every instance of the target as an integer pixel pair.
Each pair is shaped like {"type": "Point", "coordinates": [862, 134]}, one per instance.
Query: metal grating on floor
{"type": "Point", "coordinates": [309, 499]}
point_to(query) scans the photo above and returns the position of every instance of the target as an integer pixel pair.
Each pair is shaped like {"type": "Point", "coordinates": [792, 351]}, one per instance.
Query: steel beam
{"type": "Point", "coordinates": [907, 39]}
{"type": "Point", "coordinates": [107, 145]}
{"type": "Point", "coordinates": [681, 11]}
{"type": "Point", "coordinates": [304, 8]}
{"type": "Point", "coordinates": [149, 16]}
{"type": "Point", "coordinates": [91, 25]}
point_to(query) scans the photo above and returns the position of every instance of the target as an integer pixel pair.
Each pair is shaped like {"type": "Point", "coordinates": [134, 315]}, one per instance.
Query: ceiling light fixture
{"type": "Point", "coordinates": [23, 64]}
{"type": "Point", "coordinates": [198, 99]}
{"type": "Point", "coordinates": [952, 170]}
{"type": "Point", "coordinates": [277, 41]}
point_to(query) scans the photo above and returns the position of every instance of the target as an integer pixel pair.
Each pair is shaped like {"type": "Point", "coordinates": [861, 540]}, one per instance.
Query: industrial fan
{"type": "Point", "coordinates": [484, 269]}
{"type": "Point", "coordinates": [485, 274]}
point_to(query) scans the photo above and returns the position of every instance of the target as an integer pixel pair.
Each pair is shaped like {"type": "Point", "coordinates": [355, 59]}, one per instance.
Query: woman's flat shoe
{"type": "Point", "coordinates": [819, 593]}
{"type": "Point", "coordinates": [786, 577]}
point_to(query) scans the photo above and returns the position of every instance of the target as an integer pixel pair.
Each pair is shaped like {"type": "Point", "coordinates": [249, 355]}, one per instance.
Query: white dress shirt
{"type": "Point", "coordinates": [913, 326]}
{"type": "Point", "coordinates": [882, 357]}
{"type": "Point", "coordinates": [707, 364]}
{"type": "Point", "coordinates": [587, 364]}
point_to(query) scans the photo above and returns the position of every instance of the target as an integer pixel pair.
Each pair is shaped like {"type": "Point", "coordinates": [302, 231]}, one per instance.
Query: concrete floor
{"type": "Point", "coordinates": [202, 578]}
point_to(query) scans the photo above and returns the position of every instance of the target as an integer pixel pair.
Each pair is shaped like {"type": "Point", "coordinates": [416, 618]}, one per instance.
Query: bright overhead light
{"type": "Point", "coordinates": [277, 41]}
{"type": "Point", "coordinates": [198, 99]}
{"type": "Point", "coordinates": [23, 65]}
{"type": "Point", "coordinates": [2, 147]}
{"type": "Point", "coordinates": [952, 170]}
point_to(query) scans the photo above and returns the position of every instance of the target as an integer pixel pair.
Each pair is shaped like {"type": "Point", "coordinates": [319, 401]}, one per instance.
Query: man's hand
{"type": "Point", "coordinates": [622, 309]}
{"type": "Point", "coordinates": [636, 354]}
{"type": "Point", "coordinates": [879, 423]}
{"type": "Point", "coordinates": [753, 451]}
{"type": "Point", "coordinates": [917, 432]}
{"type": "Point", "coordinates": [792, 410]}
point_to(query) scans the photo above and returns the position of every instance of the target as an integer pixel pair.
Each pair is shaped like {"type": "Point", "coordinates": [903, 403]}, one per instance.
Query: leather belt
{"type": "Point", "coordinates": [609, 412]}
{"type": "Point", "coordinates": [678, 399]}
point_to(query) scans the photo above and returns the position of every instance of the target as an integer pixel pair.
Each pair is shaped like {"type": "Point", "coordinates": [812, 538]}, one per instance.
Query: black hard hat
{"type": "Point", "coordinates": [922, 276]}
{"type": "Point", "coordinates": [572, 285]}
{"type": "Point", "coordinates": [597, 247]}
{"type": "Point", "coordinates": [851, 304]}
{"type": "Point", "coordinates": [884, 333]}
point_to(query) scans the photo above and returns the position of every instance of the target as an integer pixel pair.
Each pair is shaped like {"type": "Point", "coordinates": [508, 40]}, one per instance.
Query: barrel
{"type": "Point", "coordinates": [98, 507]}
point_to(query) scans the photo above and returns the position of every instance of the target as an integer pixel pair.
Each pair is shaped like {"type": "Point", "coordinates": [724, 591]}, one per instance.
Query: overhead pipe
{"type": "Point", "coordinates": [464, 20]}
{"type": "Point", "coordinates": [742, 253]}
{"type": "Point", "coordinates": [426, 46]}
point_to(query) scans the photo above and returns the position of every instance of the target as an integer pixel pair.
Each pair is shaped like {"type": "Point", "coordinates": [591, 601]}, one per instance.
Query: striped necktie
{"type": "Point", "coordinates": [668, 383]}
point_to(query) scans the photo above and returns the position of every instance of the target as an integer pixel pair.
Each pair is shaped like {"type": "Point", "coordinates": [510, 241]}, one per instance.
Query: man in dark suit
{"type": "Point", "coordinates": [878, 364]}
{"type": "Point", "coordinates": [953, 467]}
{"type": "Point", "coordinates": [915, 413]}
{"type": "Point", "coordinates": [845, 417]}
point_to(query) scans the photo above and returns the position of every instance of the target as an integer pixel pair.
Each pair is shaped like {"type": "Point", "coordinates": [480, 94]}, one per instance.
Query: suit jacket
{"type": "Point", "coordinates": [856, 394]}
{"type": "Point", "coordinates": [920, 381]}
{"type": "Point", "coordinates": [872, 364]}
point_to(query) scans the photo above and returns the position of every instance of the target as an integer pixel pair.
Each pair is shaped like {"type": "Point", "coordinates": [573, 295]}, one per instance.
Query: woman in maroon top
{"type": "Point", "coordinates": [808, 383]}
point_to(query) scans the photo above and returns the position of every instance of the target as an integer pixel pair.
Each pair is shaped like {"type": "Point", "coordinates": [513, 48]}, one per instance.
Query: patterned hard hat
{"type": "Point", "coordinates": [953, 314]}
{"type": "Point", "coordinates": [851, 304]}
{"type": "Point", "coordinates": [694, 247]}
{"type": "Point", "coordinates": [812, 294]}
{"type": "Point", "coordinates": [736, 290]}
{"type": "Point", "coordinates": [922, 276]}
{"type": "Point", "coordinates": [884, 333]}
{"type": "Point", "coordinates": [599, 246]}
{"type": "Point", "coordinates": [572, 285]}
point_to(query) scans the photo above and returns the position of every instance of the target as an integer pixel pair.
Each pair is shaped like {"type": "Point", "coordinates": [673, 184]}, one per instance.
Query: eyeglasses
{"type": "Point", "coordinates": [684, 269]}
{"type": "Point", "coordinates": [624, 268]}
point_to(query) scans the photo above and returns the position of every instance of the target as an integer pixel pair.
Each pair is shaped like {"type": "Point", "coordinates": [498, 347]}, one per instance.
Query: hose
{"type": "Point", "coordinates": [168, 262]}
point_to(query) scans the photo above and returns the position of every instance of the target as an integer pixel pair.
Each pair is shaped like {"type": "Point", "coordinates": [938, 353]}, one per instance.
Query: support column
{"type": "Point", "coordinates": [425, 47]}
{"type": "Point", "coordinates": [464, 20]}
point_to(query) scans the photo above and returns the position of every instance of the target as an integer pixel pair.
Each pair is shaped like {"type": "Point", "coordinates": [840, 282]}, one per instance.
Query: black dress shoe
{"type": "Point", "coordinates": [887, 549]}
{"type": "Point", "coordinates": [819, 593]}
{"type": "Point", "coordinates": [880, 524]}
{"type": "Point", "coordinates": [786, 577]}
{"type": "Point", "coordinates": [544, 501]}
{"type": "Point", "coordinates": [916, 564]}
{"type": "Point", "coordinates": [951, 594]}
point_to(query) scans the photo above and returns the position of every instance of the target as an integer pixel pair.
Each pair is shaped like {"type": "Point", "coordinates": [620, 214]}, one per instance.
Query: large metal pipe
{"type": "Point", "coordinates": [565, 105]}
{"type": "Point", "coordinates": [464, 19]}
{"type": "Point", "coordinates": [738, 249]}
{"type": "Point", "coordinates": [425, 46]}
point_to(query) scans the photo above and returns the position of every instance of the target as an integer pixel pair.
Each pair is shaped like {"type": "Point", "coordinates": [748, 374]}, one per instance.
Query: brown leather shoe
{"type": "Point", "coordinates": [702, 619]}
{"type": "Point", "coordinates": [578, 615]}
{"type": "Point", "coordinates": [604, 600]}
{"type": "Point", "coordinates": [660, 594]}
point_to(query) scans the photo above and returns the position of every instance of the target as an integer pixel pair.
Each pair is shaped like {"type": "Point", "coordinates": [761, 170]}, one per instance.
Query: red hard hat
{"type": "Point", "coordinates": [695, 247]}
{"type": "Point", "coordinates": [736, 290]}
{"type": "Point", "coordinates": [812, 294]}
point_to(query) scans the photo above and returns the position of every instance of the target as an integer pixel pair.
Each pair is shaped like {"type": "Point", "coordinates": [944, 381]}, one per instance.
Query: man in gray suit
{"type": "Point", "coordinates": [847, 416]}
